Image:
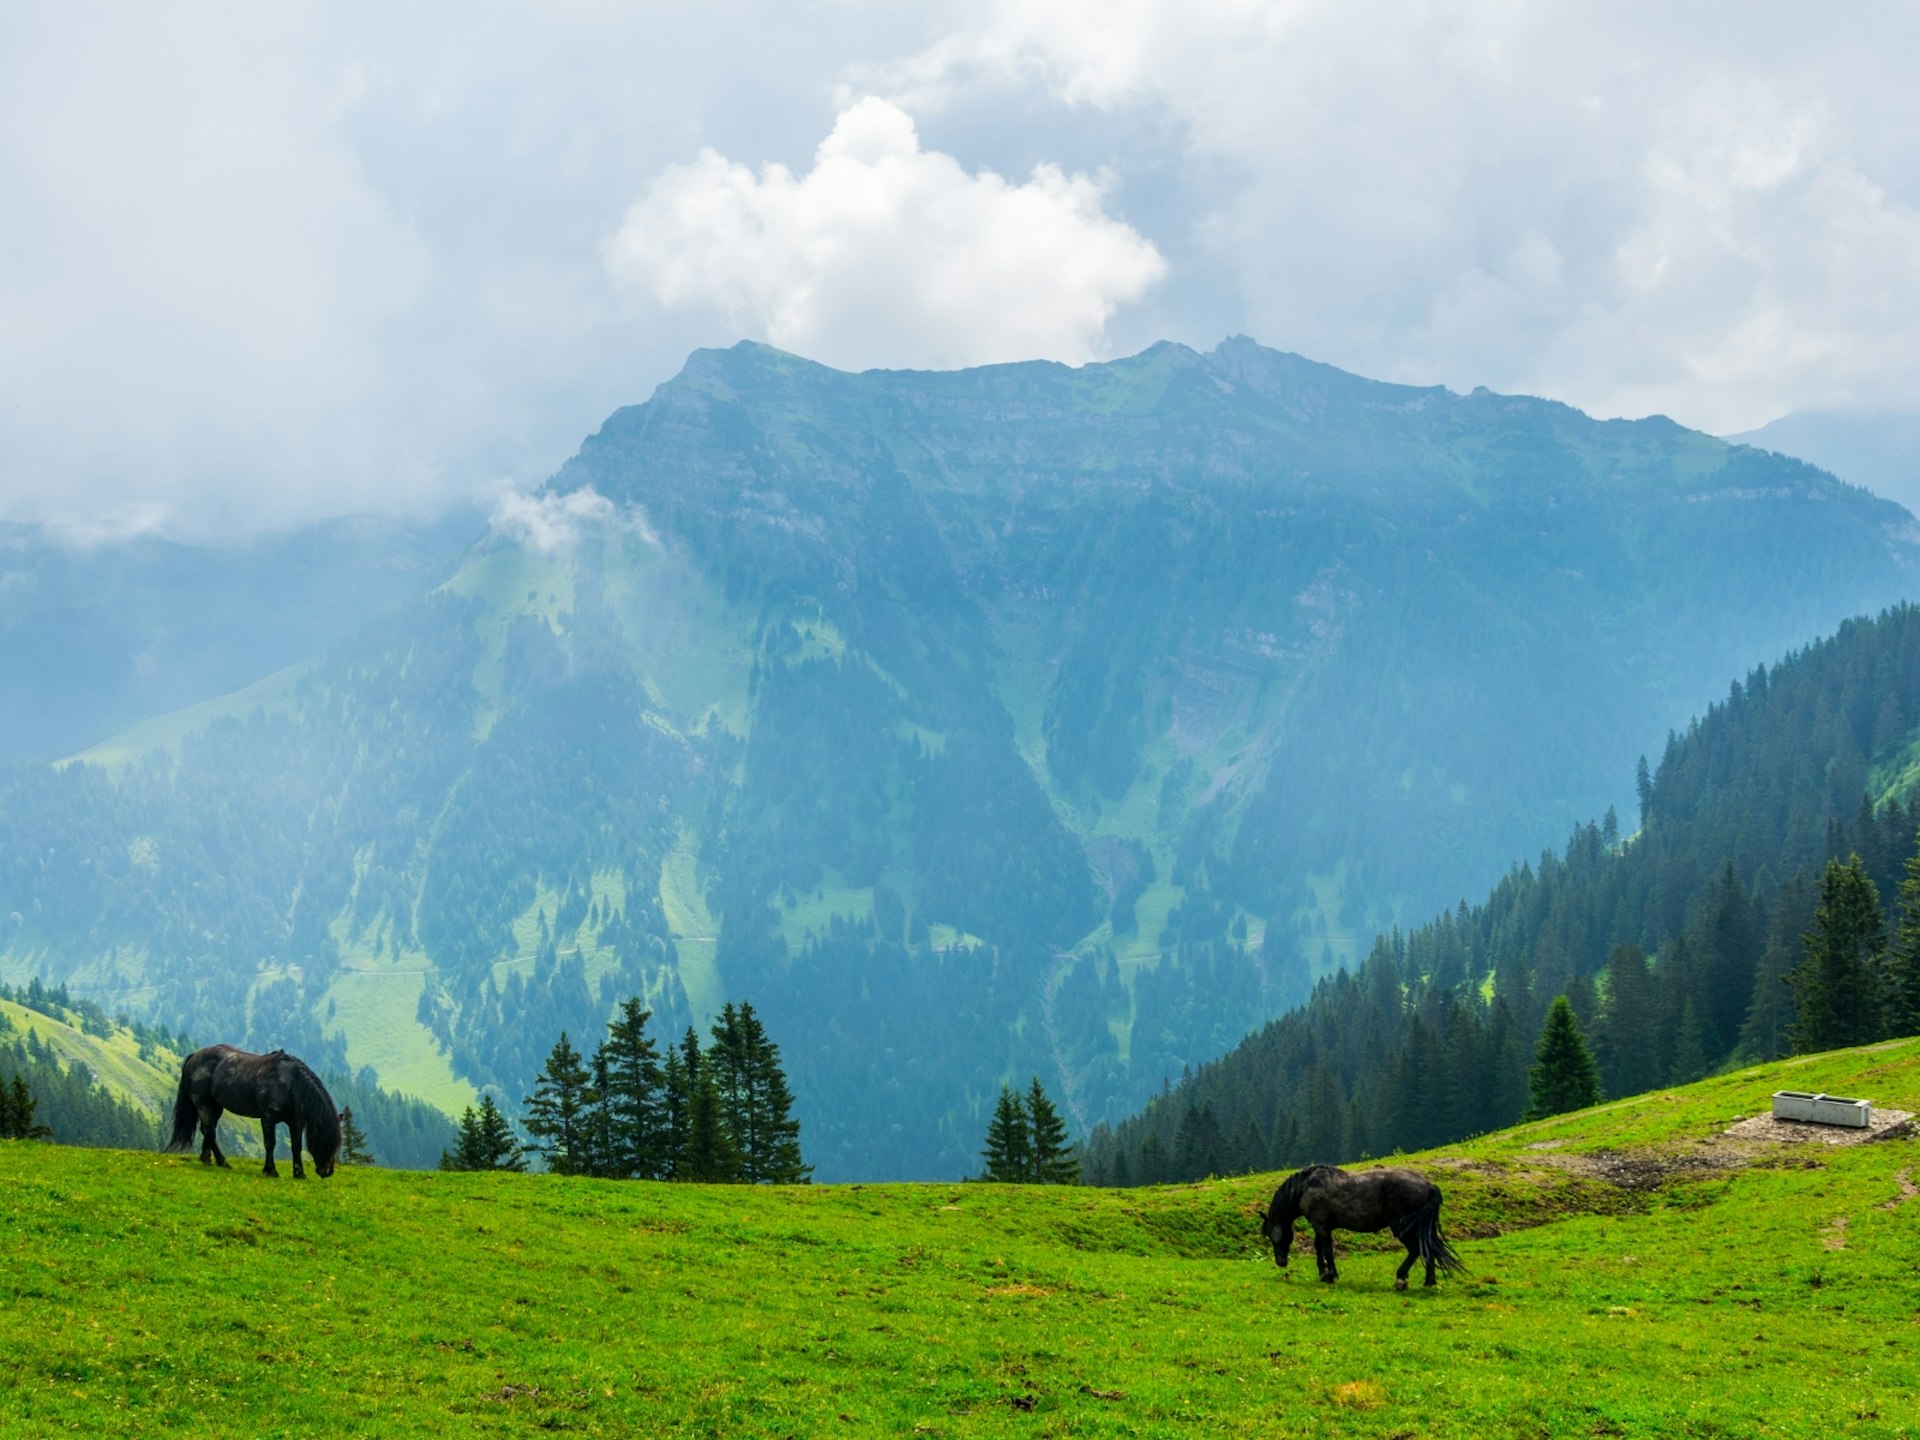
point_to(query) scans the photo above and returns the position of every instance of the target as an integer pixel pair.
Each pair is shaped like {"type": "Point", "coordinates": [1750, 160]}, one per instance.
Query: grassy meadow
{"type": "Point", "coordinates": [1628, 1274]}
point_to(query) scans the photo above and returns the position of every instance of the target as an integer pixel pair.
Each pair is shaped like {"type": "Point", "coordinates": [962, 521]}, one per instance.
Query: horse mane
{"type": "Point", "coordinates": [317, 1112]}
{"type": "Point", "coordinates": [1295, 1184]}
{"type": "Point", "coordinates": [1291, 1189]}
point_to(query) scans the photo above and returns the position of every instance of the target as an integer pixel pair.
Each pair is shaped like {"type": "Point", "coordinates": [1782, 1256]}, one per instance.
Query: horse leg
{"type": "Point", "coordinates": [1323, 1252]}
{"type": "Point", "coordinates": [267, 1127]}
{"type": "Point", "coordinates": [1430, 1279]}
{"type": "Point", "coordinates": [1413, 1253]}
{"type": "Point", "coordinates": [293, 1139]}
{"type": "Point", "coordinates": [210, 1131]}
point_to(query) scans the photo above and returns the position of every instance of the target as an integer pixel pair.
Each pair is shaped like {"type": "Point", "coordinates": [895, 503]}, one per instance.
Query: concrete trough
{"type": "Point", "coordinates": [1822, 1109]}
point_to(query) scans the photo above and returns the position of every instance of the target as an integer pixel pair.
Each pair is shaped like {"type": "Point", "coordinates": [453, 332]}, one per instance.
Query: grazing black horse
{"type": "Point", "coordinates": [276, 1089]}
{"type": "Point", "coordinates": [1396, 1200]}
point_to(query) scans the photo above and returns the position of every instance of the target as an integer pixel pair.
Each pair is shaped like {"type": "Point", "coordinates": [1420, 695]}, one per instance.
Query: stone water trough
{"type": "Point", "coordinates": [1822, 1109]}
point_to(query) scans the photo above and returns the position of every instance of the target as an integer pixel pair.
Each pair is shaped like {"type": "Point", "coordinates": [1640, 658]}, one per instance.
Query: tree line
{"type": "Point", "coordinates": [719, 1114]}
{"type": "Point", "coordinates": [1746, 918]}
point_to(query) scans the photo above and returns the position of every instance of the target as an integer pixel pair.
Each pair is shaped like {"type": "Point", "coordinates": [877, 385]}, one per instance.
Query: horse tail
{"type": "Point", "coordinates": [318, 1114]}
{"type": "Point", "coordinates": [186, 1114]}
{"type": "Point", "coordinates": [1434, 1248]}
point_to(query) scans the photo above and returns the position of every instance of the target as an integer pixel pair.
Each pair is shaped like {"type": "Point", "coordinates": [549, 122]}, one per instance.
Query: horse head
{"type": "Point", "coordinates": [1277, 1226]}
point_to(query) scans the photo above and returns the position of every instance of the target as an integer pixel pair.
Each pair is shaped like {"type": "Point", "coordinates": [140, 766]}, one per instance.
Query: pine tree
{"type": "Point", "coordinates": [1009, 1149]}
{"type": "Point", "coordinates": [1903, 958]}
{"type": "Point", "coordinates": [486, 1140]}
{"type": "Point", "coordinates": [636, 1140]}
{"type": "Point", "coordinates": [1835, 987]}
{"type": "Point", "coordinates": [1626, 1038]}
{"type": "Point", "coordinates": [353, 1141]}
{"type": "Point", "coordinates": [728, 1061]}
{"type": "Point", "coordinates": [1054, 1161]}
{"type": "Point", "coordinates": [712, 1157]}
{"type": "Point", "coordinates": [1727, 945]}
{"type": "Point", "coordinates": [770, 1136]}
{"type": "Point", "coordinates": [600, 1154]}
{"type": "Point", "coordinates": [557, 1111]}
{"type": "Point", "coordinates": [19, 1106]}
{"type": "Point", "coordinates": [1765, 1033]}
{"type": "Point", "coordinates": [676, 1100]}
{"type": "Point", "coordinates": [1563, 1076]}
{"type": "Point", "coordinates": [1325, 1130]}
{"type": "Point", "coordinates": [1689, 1046]}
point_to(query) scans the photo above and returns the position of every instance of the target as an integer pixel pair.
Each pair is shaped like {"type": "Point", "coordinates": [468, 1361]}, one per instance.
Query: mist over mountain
{"type": "Point", "coordinates": [96, 637]}
{"type": "Point", "coordinates": [1878, 449]}
{"type": "Point", "coordinates": [1020, 720]}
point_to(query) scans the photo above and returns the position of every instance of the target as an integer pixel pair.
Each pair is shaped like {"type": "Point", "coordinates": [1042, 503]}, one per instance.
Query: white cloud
{"type": "Point", "coordinates": [1710, 211]}
{"type": "Point", "coordinates": [886, 254]}
{"type": "Point", "coordinates": [266, 263]}
{"type": "Point", "coordinates": [549, 522]}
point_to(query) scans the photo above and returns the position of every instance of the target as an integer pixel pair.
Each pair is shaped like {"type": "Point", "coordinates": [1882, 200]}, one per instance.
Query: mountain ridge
{"type": "Point", "coordinates": [972, 724]}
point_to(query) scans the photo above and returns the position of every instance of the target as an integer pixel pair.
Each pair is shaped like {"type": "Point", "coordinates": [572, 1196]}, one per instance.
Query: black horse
{"type": "Point", "coordinates": [276, 1089]}
{"type": "Point", "coordinates": [1396, 1200]}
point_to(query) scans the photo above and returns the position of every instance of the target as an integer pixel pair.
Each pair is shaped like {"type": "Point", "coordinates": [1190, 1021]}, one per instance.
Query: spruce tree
{"type": "Point", "coordinates": [1689, 1047]}
{"type": "Point", "coordinates": [1563, 1076]}
{"type": "Point", "coordinates": [1626, 1039]}
{"type": "Point", "coordinates": [731, 1067]}
{"type": "Point", "coordinates": [1764, 1035]}
{"type": "Point", "coordinates": [637, 1140]}
{"type": "Point", "coordinates": [1054, 1162]}
{"type": "Point", "coordinates": [1009, 1149]}
{"type": "Point", "coordinates": [712, 1157]}
{"type": "Point", "coordinates": [557, 1111]}
{"type": "Point", "coordinates": [1902, 995]}
{"type": "Point", "coordinates": [353, 1141]}
{"type": "Point", "coordinates": [676, 1100]}
{"type": "Point", "coordinates": [1325, 1128]}
{"type": "Point", "coordinates": [600, 1154]}
{"type": "Point", "coordinates": [1835, 986]}
{"type": "Point", "coordinates": [20, 1106]}
{"type": "Point", "coordinates": [769, 1135]}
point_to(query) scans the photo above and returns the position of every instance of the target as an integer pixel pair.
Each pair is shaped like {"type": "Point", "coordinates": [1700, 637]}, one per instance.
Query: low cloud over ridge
{"type": "Point", "coordinates": [887, 254]}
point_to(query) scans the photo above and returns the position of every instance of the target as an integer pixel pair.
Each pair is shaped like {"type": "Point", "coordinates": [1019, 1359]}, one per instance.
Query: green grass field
{"type": "Point", "coordinates": [1706, 1289]}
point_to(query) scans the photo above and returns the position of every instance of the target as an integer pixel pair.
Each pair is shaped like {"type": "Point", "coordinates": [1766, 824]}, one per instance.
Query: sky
{"type": "Point", "coordinates": [268, 264]}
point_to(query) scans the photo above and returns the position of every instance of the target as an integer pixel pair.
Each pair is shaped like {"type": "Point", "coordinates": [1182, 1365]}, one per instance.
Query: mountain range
{"type": "Point", "coordinates": [973, 725]}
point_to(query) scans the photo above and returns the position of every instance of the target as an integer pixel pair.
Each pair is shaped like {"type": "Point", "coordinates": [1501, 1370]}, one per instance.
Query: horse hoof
{"type": "Point", "coordinates": [1399, 1284]}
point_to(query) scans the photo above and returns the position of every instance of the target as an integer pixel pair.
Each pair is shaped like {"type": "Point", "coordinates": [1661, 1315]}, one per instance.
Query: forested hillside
{"type": "Point", "coordinates": [973, 726]}
{"type": "Point", "coordinates": [1674, 945]}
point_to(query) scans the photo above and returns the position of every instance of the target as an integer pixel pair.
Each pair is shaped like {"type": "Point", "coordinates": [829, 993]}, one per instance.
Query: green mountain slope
{"type": "Point", "coordinates": [1630, 1270]}
{"type": "Point", "coordinates": [1671, 943]}
{"type": "Point", "coordinates": [1014, 721]}
{"type": "Point", "coordinates": [97, 636]}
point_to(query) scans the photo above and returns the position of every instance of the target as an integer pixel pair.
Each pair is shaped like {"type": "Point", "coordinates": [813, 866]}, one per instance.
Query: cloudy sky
{"type": "Point", "coordinates": [261, 264]}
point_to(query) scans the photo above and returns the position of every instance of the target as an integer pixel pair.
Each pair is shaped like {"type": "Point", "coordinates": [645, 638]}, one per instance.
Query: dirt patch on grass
{"type": "Point", "coordinates": [1651, 1168]}
{"type": "Point", "coordinates": [1887, 1125]}
{"type": "Point", "coordinates": [1907, 1191]}
{"type": "Point", "coordinates": [1836, 1236]}
{"type": "Point", "coordinates": [1758, 1140]}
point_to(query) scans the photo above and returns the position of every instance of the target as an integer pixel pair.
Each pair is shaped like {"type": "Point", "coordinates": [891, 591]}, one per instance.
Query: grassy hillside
{"type": "Point", "coordinates": [1628, 1274]}
{"type": "Point", "coordinates": [146, 1080]}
